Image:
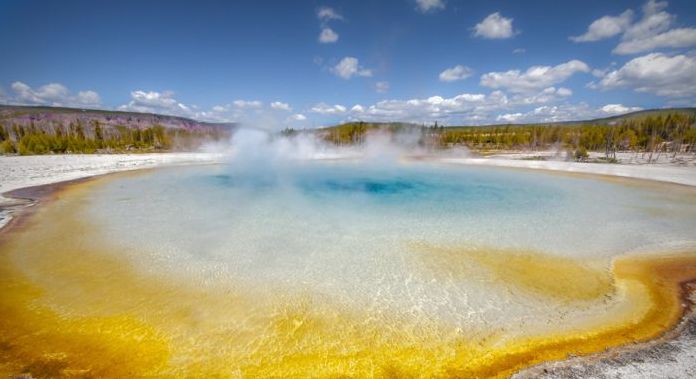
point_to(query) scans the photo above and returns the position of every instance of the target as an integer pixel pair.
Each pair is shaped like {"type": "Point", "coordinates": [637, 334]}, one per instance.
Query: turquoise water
{"type": "Point", "coordinates": [487, 206]}
{"type": "Point", "coordinates": [354, 233]}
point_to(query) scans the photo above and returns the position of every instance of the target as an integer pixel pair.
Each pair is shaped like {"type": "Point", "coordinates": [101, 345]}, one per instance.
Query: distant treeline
{"type": "Point", "coordinates": [674, 132]}
{"type": "Point", "coordinates": [355, 132]}
{"type": "Point", "coordinates": [670, 132]}
{"type": "Point", "coordinates": [95, 138]}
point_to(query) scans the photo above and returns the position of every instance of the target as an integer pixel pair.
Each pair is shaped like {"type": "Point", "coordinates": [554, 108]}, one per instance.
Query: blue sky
{"type": "Point", "coordinates": [313, 63]}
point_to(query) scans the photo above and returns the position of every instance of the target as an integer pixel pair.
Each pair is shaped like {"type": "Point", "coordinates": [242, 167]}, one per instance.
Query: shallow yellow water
{"type": "Point", "coordinates": [561, 278]}
{"type": "Point", "coordinates": [70, 308]}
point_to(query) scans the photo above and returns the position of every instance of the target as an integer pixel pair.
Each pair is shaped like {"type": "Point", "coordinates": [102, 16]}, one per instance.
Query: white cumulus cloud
{"type": "Point", "coordinates": [619, 109]}
{"type": "Point", "coordinates": [247, 104]}
{"type": "Point", "coordinates": [53, 94]}
{"type": "Point", "coordinates": [349, 67]}
{"type": "Point", "coordinates": [675, 38]}
{"type": "Point", "coordinates": [463, 108]}
{"type": "Point", "coordinates": [564, 112]}
{"type": "Point", "coordinates": [281, 106]}
{"type": "Point", "coordinates": [547, 105]}
{"type": "Point", "coordinates": [323, 108]}
{"type": "Point", "coordinates": [156, 102]}
{"type": "Point", "coordinates": [46, 93]}
{"type": "Point", "coordinates": [605, 27]}
{"type": "Point", "coordinates": [327, 35]}
{"type": "Point", "coordinates": [564, 91]}
{"type": "Point", "coordinates": [509, 117]}
{"type": "Point", "coordinates": [547, 95]}
{"type": "Point", "coordinates": [654, 30]}
{"type": "Point", "coordinates": [494, 26]}
{"type": "Point", "coordinates": [656, 73]}
{"type": "Point", "coordinates": [455, 73]}
{"type": "Point", "coordinates": [297, 117]}
{"type": "Point", "coordinates": [165, 103]}
{"type": "Point", "coordinates": [535, 78]}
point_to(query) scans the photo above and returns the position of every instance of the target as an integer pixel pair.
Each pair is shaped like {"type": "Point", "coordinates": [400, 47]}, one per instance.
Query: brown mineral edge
{"type": "Point", "coordinates": [672, 355]}
{"type": "Point", "coordinates": [25, 200]}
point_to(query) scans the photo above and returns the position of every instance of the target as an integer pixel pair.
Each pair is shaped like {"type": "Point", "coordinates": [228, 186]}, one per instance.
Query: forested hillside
{"type": "Point", "coordinates": [46, 130]}
{"type": "Point", "coordinates": [647, 131]}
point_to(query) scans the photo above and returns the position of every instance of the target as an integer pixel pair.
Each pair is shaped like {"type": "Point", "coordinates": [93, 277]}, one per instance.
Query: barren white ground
{"type": "Point", "coordinates": [26, 171]}
{"type": "Point", "coordinates": [663, 173]}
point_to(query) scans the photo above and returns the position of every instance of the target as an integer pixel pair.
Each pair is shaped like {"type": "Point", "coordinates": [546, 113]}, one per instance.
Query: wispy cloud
{"type": "Point", "coordinates": [653, 31]}
{"type": "Point", "coordinates": [279, 105]}
{"type": "Point", "coordinates": [382, 87]}
{"type": "Point", "coordinates": [247, 104]}
{"type": "Point", "coordinates": [53, 94]}
{"type": "Point", "coordinates": [325, 14]}
{"type": "Point", "coordinates": [426, 6]}
{"type": "Point", "coordinates": [455, 73]}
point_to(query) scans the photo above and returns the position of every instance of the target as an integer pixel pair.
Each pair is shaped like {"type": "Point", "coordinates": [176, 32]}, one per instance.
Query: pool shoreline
{"type": "Point", "coordinates": [30, 198]}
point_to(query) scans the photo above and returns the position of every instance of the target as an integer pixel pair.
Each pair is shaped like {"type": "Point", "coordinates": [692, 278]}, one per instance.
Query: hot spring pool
{"type": "Point", "coordinates": [331, 268]}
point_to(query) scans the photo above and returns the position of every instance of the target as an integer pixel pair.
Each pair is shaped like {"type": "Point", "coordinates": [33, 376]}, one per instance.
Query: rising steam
{"type": "Point", "coordinates": [260, 147]}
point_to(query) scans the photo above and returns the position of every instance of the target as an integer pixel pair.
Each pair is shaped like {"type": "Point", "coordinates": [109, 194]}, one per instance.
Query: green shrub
{"type": "Point", "coordinates": [7, 147]}
{"type": "Point", "coordinates": [581, 154]}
